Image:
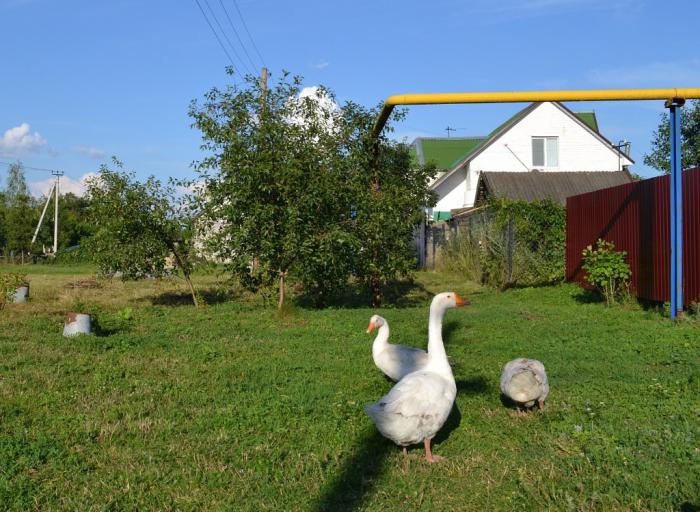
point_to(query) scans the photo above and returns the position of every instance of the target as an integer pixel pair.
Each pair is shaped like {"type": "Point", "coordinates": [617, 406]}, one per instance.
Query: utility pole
{"type": "Point", "coordinates": [263, 85]}
{"type": "Point", "coordinates": [43, 212]}
{"type": "Point", "coordinates": [53, 191]}
{"type": "Point", "coordinates": [448, 130]}
{"type": "Point", "coordinates": [58, 175]}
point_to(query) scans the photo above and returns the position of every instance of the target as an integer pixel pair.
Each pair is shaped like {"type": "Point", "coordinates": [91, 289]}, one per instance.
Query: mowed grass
{"type": "Point", "coordinates": [234, 407]}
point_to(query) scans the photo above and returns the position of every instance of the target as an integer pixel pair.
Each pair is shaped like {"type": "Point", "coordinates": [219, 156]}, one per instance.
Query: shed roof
{"type": "Point", "coordinates": [536, 185]}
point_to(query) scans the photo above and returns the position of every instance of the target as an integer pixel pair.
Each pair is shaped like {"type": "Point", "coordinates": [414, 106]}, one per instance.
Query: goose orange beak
{"type": "Point", "coordinates": [460, 301]}
{"type": "Point", "coordinates": [371, 327]}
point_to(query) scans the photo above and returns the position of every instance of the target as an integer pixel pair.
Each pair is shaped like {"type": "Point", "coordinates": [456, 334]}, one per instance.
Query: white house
{"type": "Point", "coordinates": [545, 137]}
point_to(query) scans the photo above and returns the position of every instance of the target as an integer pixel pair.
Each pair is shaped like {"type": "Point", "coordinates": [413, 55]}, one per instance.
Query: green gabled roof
{"type": "Point", "coordinates": [445, 153]}
{"type": "Point", "coordinates": [590, 119]}
{"type": "Point", "coordinates": [412, 153]}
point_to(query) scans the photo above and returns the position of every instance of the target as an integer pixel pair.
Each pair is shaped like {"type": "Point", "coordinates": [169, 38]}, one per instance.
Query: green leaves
{"type": "Point", "coordinates": [659, 158]}
{"type": "Point", "coordinates": [20, 214]}
{"type": "Point", "coordinates": [9, 282]}
{"type": "Point", "coordinates": [137, 227]}
{"type": "Point", "coordinates": [294, 186]}
{"type": "Point", "coordinates": [511, 242]}
{"type": "Point", "coordinates": [607, 270]}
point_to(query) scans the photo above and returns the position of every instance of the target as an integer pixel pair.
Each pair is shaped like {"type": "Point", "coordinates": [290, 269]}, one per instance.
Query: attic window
{"type": "Point", "coordinates": [545, 151]}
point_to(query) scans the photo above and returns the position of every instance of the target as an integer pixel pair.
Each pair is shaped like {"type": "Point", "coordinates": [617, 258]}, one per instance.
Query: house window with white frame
{"type": "Point", "coordinates": [545, 152]}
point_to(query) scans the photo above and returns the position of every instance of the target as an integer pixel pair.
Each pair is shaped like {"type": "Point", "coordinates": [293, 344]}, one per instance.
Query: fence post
{"type": "Point", "coordinates": [509, 248]}
{"type": "Point", "coordinates": [422, 245]}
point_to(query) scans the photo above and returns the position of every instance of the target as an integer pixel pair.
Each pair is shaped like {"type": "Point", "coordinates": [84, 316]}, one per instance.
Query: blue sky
{"type": "Point", "coordinates": [84, 80]}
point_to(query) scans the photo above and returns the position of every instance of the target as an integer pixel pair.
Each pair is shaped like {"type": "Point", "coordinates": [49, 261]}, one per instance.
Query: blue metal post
{"type": "Point", "coordinates": [676, 207]}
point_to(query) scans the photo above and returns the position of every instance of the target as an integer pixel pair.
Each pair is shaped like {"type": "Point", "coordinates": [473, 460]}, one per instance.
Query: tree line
{"type": "Point", "coordinates": [293, 187]}
{"type": "Point", "coordinates": [19, 215]}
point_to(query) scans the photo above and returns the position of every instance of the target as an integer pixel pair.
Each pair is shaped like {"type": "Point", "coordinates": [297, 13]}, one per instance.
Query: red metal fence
{"type": "Point", "coordinates": [635, 216]}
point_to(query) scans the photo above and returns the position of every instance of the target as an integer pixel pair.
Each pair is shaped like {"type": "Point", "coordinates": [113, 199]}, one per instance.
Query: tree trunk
{"type": "Point", "coordinates": [281, 300]}
{"type": "Point", "coordinates": [189, 283]}
{"type": "Point", "coordinates": [376, 291]}
{"type": "Point", "coordinates": [185, 272]}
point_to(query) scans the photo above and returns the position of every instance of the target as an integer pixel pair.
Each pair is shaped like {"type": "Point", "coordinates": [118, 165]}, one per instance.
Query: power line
{"type": "Point", "coordinates": [248, 32]}
{"type": "Point", "coordinates": [216, 19]}
{"type": "Point", "coordinates": [27, 166]}
{"type": "Point", "coordinates": [215, 34]}
{"type": "Point", "coordinates": [236, 32]}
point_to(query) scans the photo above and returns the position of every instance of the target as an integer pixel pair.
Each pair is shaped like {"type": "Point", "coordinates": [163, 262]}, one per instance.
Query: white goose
{"type": "Point", "coordinates": [395, 361]}
{"type": "Point", "coordinates": [417, 407]}
{"type": "Point", "coordinates": [525, 382]}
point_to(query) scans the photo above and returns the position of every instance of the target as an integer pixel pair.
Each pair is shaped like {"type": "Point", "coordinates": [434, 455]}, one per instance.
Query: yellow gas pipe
{"type": "Point", "coordinates": [528, 96]}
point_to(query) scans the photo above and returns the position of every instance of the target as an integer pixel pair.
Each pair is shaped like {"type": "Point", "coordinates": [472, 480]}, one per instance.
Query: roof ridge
{"type": "Point", "coordinates": [470, 137]}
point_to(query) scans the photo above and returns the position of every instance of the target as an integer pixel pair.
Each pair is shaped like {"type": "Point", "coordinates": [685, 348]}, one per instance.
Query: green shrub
{"type": "Point", "coordinates": [70, 256]}
{"type": "Point", "coordinates": [9, 282]}
{"type": "Point", "coordinates": [607, 270]}
{"type": "Point", "coordinates": [510, 243]}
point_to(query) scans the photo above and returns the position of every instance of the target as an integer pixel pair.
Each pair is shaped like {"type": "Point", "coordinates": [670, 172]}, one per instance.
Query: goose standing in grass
{"type": "Point", "coordinates": [416, 408]}
{"type": "Point", "coordinates": [395, 361]}
{"type": "Point", "coordinates": [525, 383]}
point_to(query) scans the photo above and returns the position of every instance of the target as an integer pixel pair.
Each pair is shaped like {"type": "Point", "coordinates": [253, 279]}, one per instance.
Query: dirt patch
{"type": "Point", "coordinates": [84, 284]}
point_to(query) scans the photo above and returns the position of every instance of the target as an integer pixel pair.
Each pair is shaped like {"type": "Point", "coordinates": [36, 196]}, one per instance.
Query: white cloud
{"type": "Point", "coordinates": [319, 94]}
{"type": "Point", "coordinates": [508, 10]}
{"type": "Point", "coordinates": [91, 152]}
{"type": "Point", "coordinates": [18, 141]}
{"type": "Point", "coordinates": [320, 65]}
{"type": "Point", "coordinates": [195, 188]}
{"type": "Point", "coordinates": [650, 74]}
{"type": "Point", "coordinates": [66, 185]}
{"type": "Point", "coordinates": [326, 106]}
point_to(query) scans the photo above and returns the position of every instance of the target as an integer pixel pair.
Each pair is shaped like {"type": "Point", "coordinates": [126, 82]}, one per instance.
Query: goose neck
{"type": "Point", "coordinates": [436, 348]}
{"type": "Point", "coordinates": [381, 341]}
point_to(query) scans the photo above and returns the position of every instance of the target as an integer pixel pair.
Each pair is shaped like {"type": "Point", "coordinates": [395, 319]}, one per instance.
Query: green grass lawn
{"type": "Point", "coordinates": [233, 407]}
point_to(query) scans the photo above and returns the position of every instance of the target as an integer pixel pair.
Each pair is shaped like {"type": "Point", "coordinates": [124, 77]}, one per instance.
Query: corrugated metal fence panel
{"type": "Point", "coordinates": [635, 217]}
{"type": "Point", "coordinates": [691, 233]}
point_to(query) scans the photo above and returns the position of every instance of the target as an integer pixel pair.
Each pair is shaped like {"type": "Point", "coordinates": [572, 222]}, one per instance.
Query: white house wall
{"type": "Point", "coordinates": [451, 192]}
{"type": "Point", "coordinates": [579, 150]}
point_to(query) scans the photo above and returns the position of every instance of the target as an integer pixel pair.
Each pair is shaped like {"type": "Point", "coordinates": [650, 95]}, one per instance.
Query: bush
{"type": "Point", "coordinates": [70, 256]}
{"type": "Point", "coordinates": [607, 270]}
{"type": "Point", "coordinates": [510, 243]}
{"type": "Point", "coordinates": [9, 282]}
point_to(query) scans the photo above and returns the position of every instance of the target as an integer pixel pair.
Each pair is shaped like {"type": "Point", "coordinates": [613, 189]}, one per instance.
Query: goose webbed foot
{"type": "Point", "coordinates": [429, 456]}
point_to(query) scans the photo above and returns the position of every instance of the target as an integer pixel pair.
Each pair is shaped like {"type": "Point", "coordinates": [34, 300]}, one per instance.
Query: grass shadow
{"type": "Point", "coordinates": [104, 330]}
{"type": "Point", "coordinates": [448, 328]}
{"type": "Point", "coordinates": [689, 507]}
{"type": "Point", "coordinates": [474, 386]}
{"type": "Point", "coordinates": [208, 296]}
{"type": "Point", "coordinates": [591, 296]}
{"type": "Point", "coordinates": [509, 403]}
{"type": "Point", "coordinates": [451, 424]}
{"type": "Point", "coordinates": [358, 474]}
{"type": "Point", "coordinates": [398, 294]}
{"type": "Point", "coordinates": [588, 296]}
